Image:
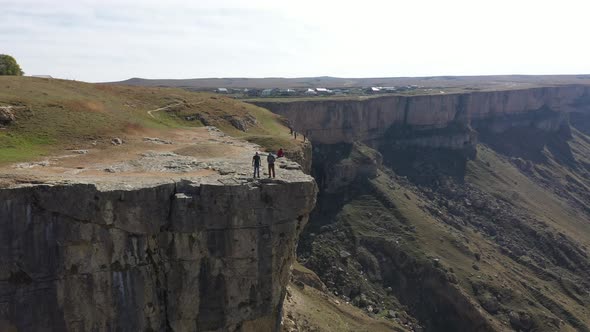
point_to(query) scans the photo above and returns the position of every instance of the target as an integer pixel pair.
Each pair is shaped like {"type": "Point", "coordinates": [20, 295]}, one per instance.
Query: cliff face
{"type": "Point", "coordinates": [464, 212]}
{"type": "Point", "coordinates": [180, 256]}
{"type": "Point", "coordinates": [334, 121]}
{"type": "Point", "coordinates": [355, 162]}
{"type": "Point", "coordinates": [303, 157]}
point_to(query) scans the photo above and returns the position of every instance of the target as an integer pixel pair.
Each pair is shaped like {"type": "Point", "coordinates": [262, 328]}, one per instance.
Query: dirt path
{"type": "Point", "coordinates": [150, 113]}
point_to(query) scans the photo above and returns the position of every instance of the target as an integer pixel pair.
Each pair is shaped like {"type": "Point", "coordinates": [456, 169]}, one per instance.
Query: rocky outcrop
{"type": "Point", "coordinates": [6, 115]}
{"type": "Point", "coordinates": [337, 166]}
{"type": "Point", "coordinates": [336, 121]}
{"type": "Point", "coordinates": [242, 123]}
{"type": "Point", "coordinates": [174, 256]}
{"type": "Point", "coordinates": [302, 156]}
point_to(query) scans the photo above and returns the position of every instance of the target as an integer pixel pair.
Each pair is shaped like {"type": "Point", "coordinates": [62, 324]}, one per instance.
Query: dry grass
{"type": "Point", "coordinates": [60, 113]}
{"type": "Point", "coordinates": [313, 310]}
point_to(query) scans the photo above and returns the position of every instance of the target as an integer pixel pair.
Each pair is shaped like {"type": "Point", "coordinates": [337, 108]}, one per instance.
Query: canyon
{"type": "Point", "coordinates": [440, 212]}
{"type": "Point", "coordinates": [458, 212]}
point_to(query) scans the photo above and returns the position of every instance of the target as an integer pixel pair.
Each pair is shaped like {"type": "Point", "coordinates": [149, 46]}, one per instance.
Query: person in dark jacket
{"type": "Point", "coordinates": [256, 164]}
{"type": "Point", "coordinates": [271, 165]}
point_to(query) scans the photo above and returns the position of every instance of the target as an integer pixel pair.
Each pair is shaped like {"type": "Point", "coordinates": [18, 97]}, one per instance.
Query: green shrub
{"type": "Point", "coordinates": [9, 66]}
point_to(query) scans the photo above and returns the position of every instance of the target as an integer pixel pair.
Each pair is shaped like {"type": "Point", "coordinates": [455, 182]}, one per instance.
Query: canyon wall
{"type": "Point", "coordinates": [174, 256]}
{"type": "Point", "coordinates": [334, 121]}
{"type": "Point", "coordinates": [412, 210]}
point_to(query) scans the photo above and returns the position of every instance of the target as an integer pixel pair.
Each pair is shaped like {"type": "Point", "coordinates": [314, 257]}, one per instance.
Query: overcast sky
{"type": "Point", "coordinates": [106, 40]}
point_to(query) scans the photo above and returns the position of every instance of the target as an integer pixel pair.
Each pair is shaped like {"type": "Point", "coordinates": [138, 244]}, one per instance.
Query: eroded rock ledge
{"type": "Point", "coordinates": [206, 254]}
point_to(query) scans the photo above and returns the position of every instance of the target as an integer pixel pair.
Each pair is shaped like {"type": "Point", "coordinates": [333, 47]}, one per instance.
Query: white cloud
{"type": "Point", "coordinates": [112, 40]}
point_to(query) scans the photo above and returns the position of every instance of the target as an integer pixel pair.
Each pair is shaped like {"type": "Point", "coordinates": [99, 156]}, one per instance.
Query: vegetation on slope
{"type": "Point", "coordinates": [502, 244]}
{"type": "Point", "coordinates": [50, 115]}
{"type": "Point", "coordinates": [308, 307]}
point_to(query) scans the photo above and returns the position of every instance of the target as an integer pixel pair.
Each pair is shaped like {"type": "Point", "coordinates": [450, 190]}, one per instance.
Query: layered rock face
{"type": "Point", "coordinates": [335, 121]}
{"type": "Point", "coordinates": [416, 217]}
{"type": "Point", "coordinates": [355, 163]}
{"type": "Point", "coordinates": [210, 255]}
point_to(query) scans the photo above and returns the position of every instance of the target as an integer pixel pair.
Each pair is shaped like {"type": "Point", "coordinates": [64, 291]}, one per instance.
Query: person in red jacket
{"type": "Point", "coordinates": [280, 153]}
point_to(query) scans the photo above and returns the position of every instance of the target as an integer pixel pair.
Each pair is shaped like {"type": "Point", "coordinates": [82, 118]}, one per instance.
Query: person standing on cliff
{"type": "Point", "coordinates": [256, 164]}
{"type": "Point", "coordinates": [271, 164]}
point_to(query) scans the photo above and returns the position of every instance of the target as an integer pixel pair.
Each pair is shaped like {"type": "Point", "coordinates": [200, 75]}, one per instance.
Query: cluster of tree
{"type": "Point", "coordinates": [9, 66]}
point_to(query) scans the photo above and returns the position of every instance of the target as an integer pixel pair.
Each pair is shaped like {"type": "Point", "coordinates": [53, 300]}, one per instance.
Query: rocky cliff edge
{"type": "Point", "coordinates": [161, 237]}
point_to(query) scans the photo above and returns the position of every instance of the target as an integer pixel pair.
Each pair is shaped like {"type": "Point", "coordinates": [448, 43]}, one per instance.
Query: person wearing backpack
{"type": "Point", "coordinates": [271, 164]}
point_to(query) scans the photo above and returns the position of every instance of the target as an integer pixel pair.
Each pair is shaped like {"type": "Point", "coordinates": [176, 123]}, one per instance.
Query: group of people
{"type": "Point", "coordinates": [294, 134]}
{"type": "Point", "coordinates": [270, 159]}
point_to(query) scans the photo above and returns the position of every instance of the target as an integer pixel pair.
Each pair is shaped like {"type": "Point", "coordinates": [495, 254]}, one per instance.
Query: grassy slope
{"type": "Point", "coordinates": [456, 251]}
{"type": "Point", "coordinates": [501, 178]}
{"type": "Point", "coordinates": [495, 175]}
{"type": "Point", "coordinates": [313, 310]}
{"type": "Point", "coordinates": [308, 307]}
{"type": "Point", "coordinates": [550, 294]}
{"type": "Point", "coordinates": [60, 114]}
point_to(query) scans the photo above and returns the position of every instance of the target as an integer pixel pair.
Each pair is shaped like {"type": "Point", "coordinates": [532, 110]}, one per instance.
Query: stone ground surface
{"type": "Point", "coordinates": [155, 231]}
{"type": "Point", "coordinates": [201, 155]}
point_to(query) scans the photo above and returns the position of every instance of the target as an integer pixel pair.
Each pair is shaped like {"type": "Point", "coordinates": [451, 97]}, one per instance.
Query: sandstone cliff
{"type": "Point", "coordinates": [335, 121]}
{"type": "Point", "coordinates": [458, 212]}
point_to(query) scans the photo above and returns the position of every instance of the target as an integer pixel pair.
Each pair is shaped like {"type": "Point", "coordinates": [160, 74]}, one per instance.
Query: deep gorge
{"type": "Point", "coordinates": [457, 212]}
{"type": "Point", "coordinates": [421, 207]}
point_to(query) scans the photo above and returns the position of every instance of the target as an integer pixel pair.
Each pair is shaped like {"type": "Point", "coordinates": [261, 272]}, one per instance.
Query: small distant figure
{"type": "Point", "coordinates": [271, 165]}
{"type": "Point", "coordinates": [304, 137]}
{"type": "Point", "coordinates": [291, 129]}
{"type": "Point", "coordinates": [256, 164]}
{"type": "Point", "coordinates": [295, 133]}
{"type": "Point", "coordinates": [280, 153]}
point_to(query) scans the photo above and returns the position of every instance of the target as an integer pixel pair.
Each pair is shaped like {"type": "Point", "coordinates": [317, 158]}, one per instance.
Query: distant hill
{"type": "Point", "coordinates": [503, 81]}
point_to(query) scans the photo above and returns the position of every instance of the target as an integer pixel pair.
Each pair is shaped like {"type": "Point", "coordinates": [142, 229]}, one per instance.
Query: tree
{"type": "Point", "coordinates": [9, 66]}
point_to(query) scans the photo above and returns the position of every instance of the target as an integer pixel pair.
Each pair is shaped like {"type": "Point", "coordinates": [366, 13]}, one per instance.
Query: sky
{"type": "Point", "coordinates": [108, 40]}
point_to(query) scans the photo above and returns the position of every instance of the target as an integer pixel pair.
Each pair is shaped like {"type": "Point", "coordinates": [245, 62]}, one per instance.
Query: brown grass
{"type": "Point", "coordinates": [84, 106]}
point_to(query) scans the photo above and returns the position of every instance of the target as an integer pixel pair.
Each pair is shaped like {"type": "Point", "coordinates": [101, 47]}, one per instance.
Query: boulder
{"type": "Point", "coordinates": [344, 254]}
{"type": "Point", "coordinates": [6, 115]}
{"type": "Point", "coordinates": [521, 321]}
